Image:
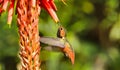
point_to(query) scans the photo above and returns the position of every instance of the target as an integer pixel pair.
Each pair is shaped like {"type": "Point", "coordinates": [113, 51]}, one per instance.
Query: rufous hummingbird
{"type": "Point", "coordinates": [68, 50]}
{"type": "Point", "coordinates": [60, 42]}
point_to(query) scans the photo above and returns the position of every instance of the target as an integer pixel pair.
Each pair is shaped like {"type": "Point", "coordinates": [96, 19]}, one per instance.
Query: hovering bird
{"type": "Point", "coordinates": [61, 33]}
{"type": "Point", "coordinates": [59, 42]}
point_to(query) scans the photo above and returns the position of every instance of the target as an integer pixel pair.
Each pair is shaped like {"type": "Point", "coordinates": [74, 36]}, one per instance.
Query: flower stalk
{"type": "Point", "coordinates": [28, 12]}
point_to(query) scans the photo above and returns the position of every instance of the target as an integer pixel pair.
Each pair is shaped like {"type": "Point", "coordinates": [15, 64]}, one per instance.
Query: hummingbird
{"type": "Point", "coordinates": [68, 50]}
{"type": "Point", "coordinates": [59, 42]}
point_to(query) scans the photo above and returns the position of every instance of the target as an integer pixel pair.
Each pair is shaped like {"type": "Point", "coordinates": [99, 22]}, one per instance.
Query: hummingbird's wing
{"type": "Point", "coordinates": [52, 41]}
{"type": "Point", "coordinates": [52, 48]}
{"type": "Point", "coordinates": [56, 42]}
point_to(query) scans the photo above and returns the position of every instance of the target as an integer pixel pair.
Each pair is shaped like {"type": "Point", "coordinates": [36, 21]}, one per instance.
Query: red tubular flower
{"type": "Point", "coordinates": [50, 7]}
{"type": "Point", "coordinates": [1, 1]}
{"type": "Point", "coordinates": [0, 10]}
{"type": "Point", "coordinates": [10, 12]}
{"type": "Point", "coordinates": [53, 4]}
{"type": "Point", "coordinates": [4, 5]}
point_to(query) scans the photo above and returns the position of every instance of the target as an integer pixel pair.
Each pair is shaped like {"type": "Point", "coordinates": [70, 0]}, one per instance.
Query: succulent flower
{"type": "Point", "coordinates": [28, 12]}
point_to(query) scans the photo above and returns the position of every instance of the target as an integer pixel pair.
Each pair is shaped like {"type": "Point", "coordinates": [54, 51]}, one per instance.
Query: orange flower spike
{"type": "Point", "coordinates": [10, 12]}
{"type": "Point", "coordinates": [53, 5]}
{"type": "Point", "coordinates": [47, 6]}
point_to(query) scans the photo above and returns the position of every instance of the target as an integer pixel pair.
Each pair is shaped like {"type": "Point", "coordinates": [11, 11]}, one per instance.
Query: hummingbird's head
{"type": "Point", "coordinates": [61, 33]}
{"type": "Point", "coordinates": [69, 52]}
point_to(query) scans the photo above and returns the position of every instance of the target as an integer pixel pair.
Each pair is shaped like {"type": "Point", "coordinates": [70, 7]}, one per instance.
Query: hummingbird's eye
{"type": "Point", "coordinates": [61, 28]}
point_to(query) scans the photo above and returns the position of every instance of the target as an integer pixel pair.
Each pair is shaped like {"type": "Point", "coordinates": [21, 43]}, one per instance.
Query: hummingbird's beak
{"type": "Point", "coordinates": [69, 52]}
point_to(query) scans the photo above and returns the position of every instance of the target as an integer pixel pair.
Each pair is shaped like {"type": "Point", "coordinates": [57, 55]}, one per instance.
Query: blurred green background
{"type": "Point", "coordinates": [93, 30]}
